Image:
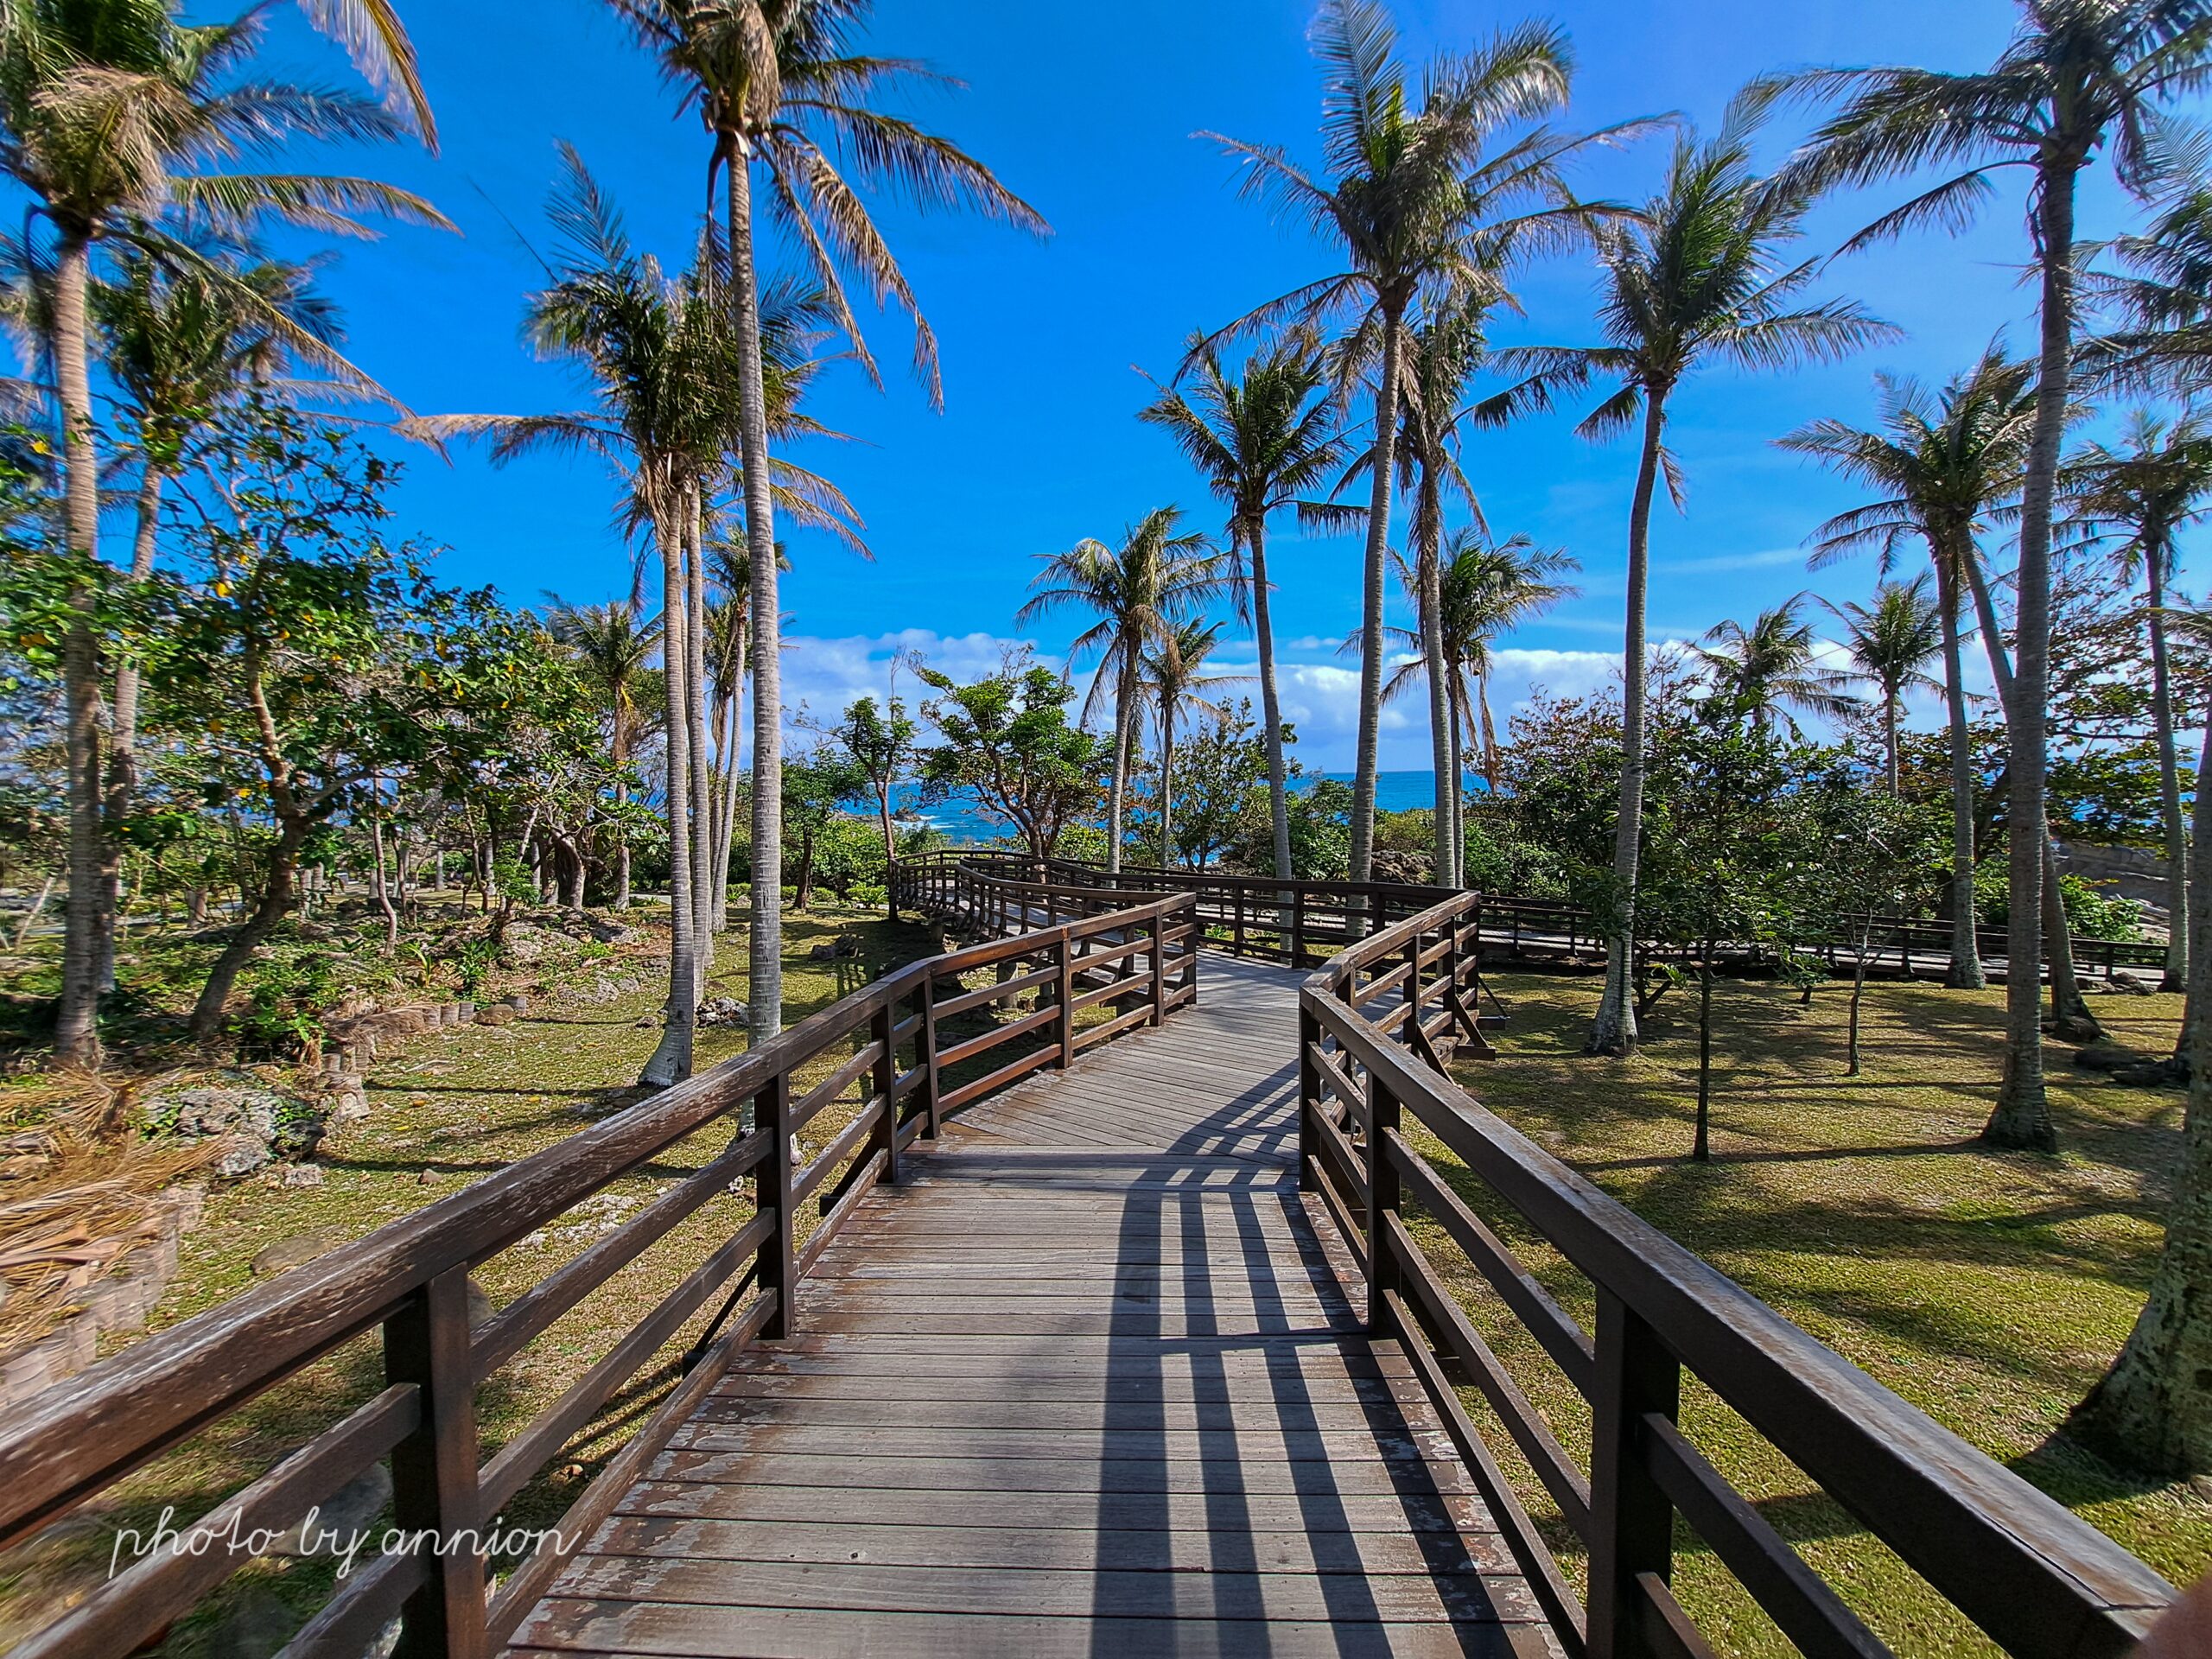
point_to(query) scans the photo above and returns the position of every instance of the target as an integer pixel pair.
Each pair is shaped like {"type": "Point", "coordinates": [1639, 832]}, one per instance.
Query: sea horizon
{"type": "Point", "coordinates": [1395, 791]}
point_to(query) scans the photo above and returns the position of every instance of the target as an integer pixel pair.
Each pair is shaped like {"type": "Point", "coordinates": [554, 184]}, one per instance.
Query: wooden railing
{"type": "Point", "coordinates": [898, 1054]}
{"type": "Point", "coordinates": [1301, 923]}
{"type": "Point", "coordinates": [1372, 1098]}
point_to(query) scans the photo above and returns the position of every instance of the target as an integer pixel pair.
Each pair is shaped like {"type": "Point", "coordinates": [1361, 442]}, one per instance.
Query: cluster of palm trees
{"type": "Point", "coordinates": [123, 125]}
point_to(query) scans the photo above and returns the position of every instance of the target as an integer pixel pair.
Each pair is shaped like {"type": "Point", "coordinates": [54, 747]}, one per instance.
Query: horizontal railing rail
{"type": "Point", "coordinates": [1302, 923]}
{"type": "Point", "coordinates": [900, 1054]}
{"type": "Point", "coordinates": [1374, 1101]}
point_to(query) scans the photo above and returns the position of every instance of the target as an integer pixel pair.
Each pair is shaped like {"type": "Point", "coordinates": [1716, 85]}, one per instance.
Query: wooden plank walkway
{"type": "Point", "coordinates": [1089, 1382]}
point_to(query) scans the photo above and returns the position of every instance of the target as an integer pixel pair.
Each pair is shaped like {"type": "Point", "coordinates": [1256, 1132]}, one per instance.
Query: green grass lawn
{"type": "Point", "coordinates": [1990, 1289]}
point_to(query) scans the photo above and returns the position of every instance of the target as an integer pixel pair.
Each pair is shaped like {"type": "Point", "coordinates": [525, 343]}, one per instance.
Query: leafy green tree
{"type": "Point", "coordinates": [1698, 278]}
{"type": "Point", "coordinates": [778, 86]}
{"type": "Point", "coordinates": [1223, 766]}
{"type": "Point", "coordinates": [1005, 739]}
{"type": "Point", "coordinates": [2079, 79]}
{"type": "Point", "coordinates": [1260, 439]}
{"type": "Point", "coordinates": [878, 737]}
{"type": "Point", "coordinates": [2156, 484]}
{"type": "Point", "coordinates": [613, 645]}
{"type": "Point", "coordinates": [816, 788]}
{"type": "Point", "coordinates": [1140, 593]}
{"type": "Point", "coordinates": [1415, 198]}
{"type": "Point", "coordinates": [1175, 685]}
{"type": "Point", "coordinates": [1943, 466]}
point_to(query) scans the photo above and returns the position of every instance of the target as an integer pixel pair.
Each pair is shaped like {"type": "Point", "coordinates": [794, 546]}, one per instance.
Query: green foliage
{"type": "Point", "coordinates": [1007, 741]}
{"type": "Point", "coordinates": [2091, 912]}
{"type": "Point", "coordinates": [285, 998]}
{"type": "Point", "coordinates": [473, 961]}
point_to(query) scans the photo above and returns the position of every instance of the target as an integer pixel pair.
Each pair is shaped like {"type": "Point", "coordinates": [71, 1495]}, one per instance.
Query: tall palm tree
{"type": "Point", "coordinates": [1414, 201]}
{"type": "Point", "coordinates": [1760, 673]}
{"type": "Point", "coordinates": [1260, 439]}
{"type": "Point", "coordinates": [778, 86]}
{"type": "Point", "coordinates": [2079, 77]}
{"type": "Point", "coordinates": [1891, 643]}
{"type": "Point", "coordinates": [614, 647]}
{"type": "Point", "coordinates": [2158, 482]}
{"type": "Point", "coordinates": [1484, 589]}
{"type": "Point", "coordinates": [2162, 340]}
{"type": "Point", "coordinates": [1943, 465]}
{"type": "Point", "coordinates": [1697, 278]}
{"type": "Point", "coordinates": [106, 106]}
{"type": "Point", "coordinates": [1174, 683]}
{"type": "Point", "coordinates": [1140, 592]}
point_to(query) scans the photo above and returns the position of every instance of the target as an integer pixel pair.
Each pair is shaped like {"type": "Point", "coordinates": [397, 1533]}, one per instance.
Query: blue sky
{"type": "Point", "coordinates": [1089, 112]}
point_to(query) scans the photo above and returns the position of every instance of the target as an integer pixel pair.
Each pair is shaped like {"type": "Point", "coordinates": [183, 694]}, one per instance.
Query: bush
{"type": "Point", "coordinates": [2090, 913]}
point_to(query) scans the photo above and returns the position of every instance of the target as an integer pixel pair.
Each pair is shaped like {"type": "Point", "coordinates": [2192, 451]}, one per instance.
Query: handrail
{"type": "Point", "coordinates": [1291, 921]}
{"type": "Point", "coordinates": [1138, 963]}
{"type": "Point", "coordinates": [2040, 1581]}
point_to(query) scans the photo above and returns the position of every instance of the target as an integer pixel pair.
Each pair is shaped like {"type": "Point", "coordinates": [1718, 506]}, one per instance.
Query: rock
{"type": "Point", "coordinates": [2157, 1074]}
{"type": "Point", "coordinates": [297, 1251]}
{"type": "Point", "coordinates": [301, 1175]}
{"type": "Point", "coordinates": [723, 1011]}
{"type": "Point", "coordinates": [258, 1124]}
{"type": "Point", "coordinates": [2099, 1058]}
{"type": "Point", "coordinates": [822, 952]}
{"type": "Point", "coordinates": [429, 1178]}
{"type": "Point", "coordinates": [611, 932]}
{"type": "Point", "coordinates": [258, 1625]}
{"type": "Point", "coordinates": [2122, 981]}
{"type": "Point", "coordinates": [499, 1013]}
{"type": "Point", "coordinates": [645, 1022]}
{"type": "Point", "coordinates": [349, 1510]}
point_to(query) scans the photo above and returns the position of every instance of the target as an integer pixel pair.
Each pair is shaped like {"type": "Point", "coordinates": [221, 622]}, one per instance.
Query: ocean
{"type": "Point", "coordinates": [1395, 791]}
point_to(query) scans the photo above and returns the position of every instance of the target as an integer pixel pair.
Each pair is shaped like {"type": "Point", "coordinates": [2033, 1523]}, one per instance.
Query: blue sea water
{"type": "Point", "coordinates": [1395, 791]}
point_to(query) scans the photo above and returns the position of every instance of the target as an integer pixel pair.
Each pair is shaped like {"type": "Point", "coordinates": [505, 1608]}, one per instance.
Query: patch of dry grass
{"type": "Point", "coordinates": [1990, 1289]}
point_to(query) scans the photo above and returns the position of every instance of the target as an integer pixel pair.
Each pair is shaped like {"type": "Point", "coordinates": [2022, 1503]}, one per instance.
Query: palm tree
{"type": "Point", "coordinates": [2155, 485]}
{"type": "Point", "coordinates": [1760, 673]}
{"type": "Point", "coordinates": [1891, 643]}
{"type": "Point", "coordinates": [1943, 464]}
{"type": "Point", "coordinates": [1140, 592]}
{"type": "Point", "coordinates": [2078, 77]}
{"type": "Point", "coordinates": [1260, 440]}
{"type": "Point", "coordinates": [730, 572]}
{"type": "Point", "coordinates": [1697, 278]}
{"type": "Point", "coordinates": [2163, 298]}
{"type": "Point", "coordinates": [104, 106]}
{"type": "Point", "coordinates": [1173, 680]}
{"type": "Point", "coordinates": [612, 647]}
{"type": "Point", "coordinates": [776, 84]}
{"type": "Point", "coordinates": [1414, 203]}
{"type": "Point", "coordinates": [1484, 589]}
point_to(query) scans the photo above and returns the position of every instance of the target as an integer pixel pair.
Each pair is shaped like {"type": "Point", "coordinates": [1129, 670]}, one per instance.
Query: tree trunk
{"type": "Point", "coordinates": [2070, 1018]}
{"type": "Point", "coordinates": [704, 910]}
{"type": "Point", "coordinates": [622, 757]}
{"type": "Point", "coordinates": [2153, 1410]}
{"type": "Point", "coordinates": [1614, 1031]}
{"type": "Point", "coordinates": [1446, 793]}
{"type": "Point", "coordinates": [1255, 538]}
{"type": "Point", "coordinates": [1370, 625]}
{"type": "Point", "coordinates": [2021, 1117]}
{"type": "Point", "coordinates": [86, 918]}
{"type": "Point", "coordinates": [1858, 993]}
{"type": "Point", "coordinates": [766, 987]}
{"type": "Point", "coordinates": [1965, 972]}
{"type": "Point", "coordinates": [1458, 760]}
{"type": "Point", "coordinates": [122, 739]}
{"type": "Point", "coordinates": [1167, 784]}
{"type": "Point", "coordinates": [732, 754]}
{"type": "Point", "coordinates": [2162, 709]}
{"type": "Point", "coordinates": [275, 901]}
{"type": "Point", "coordinates": [1890, 742]}
{"type": "Point", "coordinates": [382, 891]}
{"type": "Point", "coordinates": [1701, 1150]}
{"type": "Point", "coordinates": [1117, 794]}
{"type": "Point", "coordinates": [670, 1061]}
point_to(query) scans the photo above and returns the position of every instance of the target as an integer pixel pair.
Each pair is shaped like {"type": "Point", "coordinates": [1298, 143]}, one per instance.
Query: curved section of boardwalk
{"type": "Point", "coordinates": [1088, 1382]}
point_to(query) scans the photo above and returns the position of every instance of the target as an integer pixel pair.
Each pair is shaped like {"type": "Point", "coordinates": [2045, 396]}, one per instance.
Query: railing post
{"type": "Point", "coordinates": [1631, 1522]}
{"type": "Point", "coordinates": [887, 1085]}
{"type": "Point", "coordinates": [1383, 1114]}
{"type": "Point", "coordinates": [1064, 988]}
{"type": "Point", "coordinates": [434, 1469]}
{"type": "Point", "coordinates": [1237, 946]}
{"type": "Point", "coordinates": [1158, 934]}
{"type": "Point", "coordinates": [1309, 1094]}
{"type": "Point", "coordinates": [1298, 927]}
{"type": "Point", "coordinates": [1378, 912]}
{"type": "Point", "coordinates": [772, 1189]}
{"type": "Point", "coordinates": [932, 1086]}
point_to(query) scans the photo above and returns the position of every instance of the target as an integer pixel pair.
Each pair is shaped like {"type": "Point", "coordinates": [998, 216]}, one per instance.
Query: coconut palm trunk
{"type": "Point", "coordinates": [1614, 1031]}
{"type": "Point", "coordinates": [1965, 972]}
{"type": "Point", "coordinates": [703, 907]}
{"type": "Point", "coordinates": [1447, 865]}
{"type": "Point", "coordinates": [1167, 784]}
{"type": "Point", "coordinates": [2021, 1117]}
{"type": "Point", "coordinates": [765, 941]}
{"type": "Point", "coordinates": [1370, 630]}
{"type": "Point", "coordinates": [671, 1058]}
{"type": "Point", "coordinates": [733, 755]}
{"type": "Point", "coordinates": [1117, 794]}
{"type": "Point", "coordinates": [1255, 540]}
{"type": "Point", "coordinates": [122, 735]}
{"type": "Point", "coordinates": [86, 922]}
{"type": "Point", "coordinates": [2162, 709]}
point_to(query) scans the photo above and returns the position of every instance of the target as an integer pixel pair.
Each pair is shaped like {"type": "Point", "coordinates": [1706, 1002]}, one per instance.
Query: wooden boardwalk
{"type": "Point", "coordinates": [1090, 1381]}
